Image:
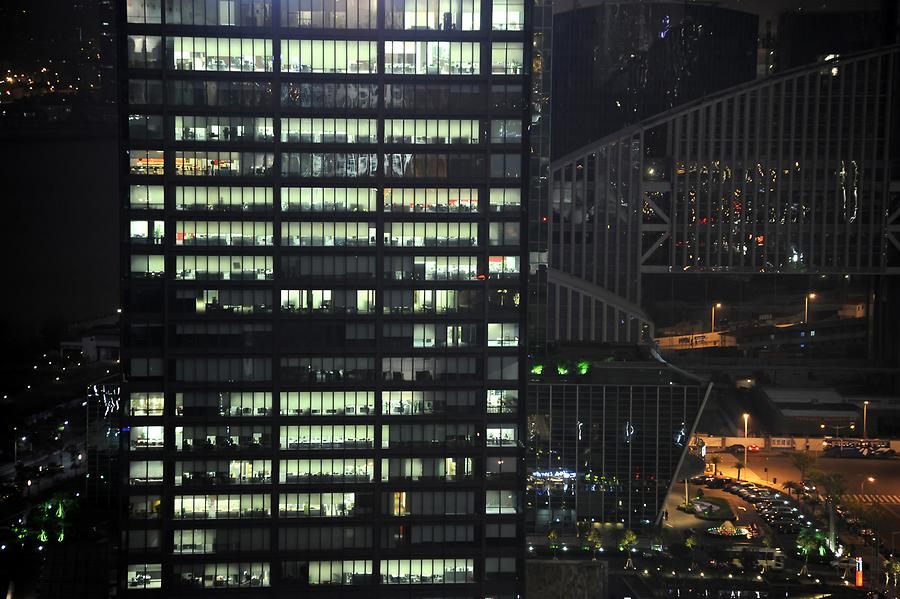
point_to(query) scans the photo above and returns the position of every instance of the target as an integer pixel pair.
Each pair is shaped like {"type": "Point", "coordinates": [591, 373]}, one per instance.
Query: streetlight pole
{"type": "Point", "coordinates": [876, 556]}
{"type": "Point", "coordinates": [746, 430]}
{"type": "Point", "coordinates": [712, 324]}
{"type": "Point", "coordinates": [809, 296]}
{"type": "Point", "coordinates": [865, 418]}
{"type": "Point", "coordinates": [16, 449]}
{"type": "Point", "coordinates": [837, 428]}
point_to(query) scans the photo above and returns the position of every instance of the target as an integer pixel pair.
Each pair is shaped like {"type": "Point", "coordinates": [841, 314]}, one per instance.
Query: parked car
{"type": "Point", "coordinates": [746, 492]}
{"type": "Point", "coordinates": [780, 509]}
{"type": "Point", "coordinates": [716, 483]}
{"type": "Point", "coordinates": [781, 517]}
{"type": "Point", "coordinates": [787, 528]}
{"type": "Point", "coordinates": [777, 517]}
{"type": "Point", "coordinates": [764, 495]}
{"type": "Point", "coordinates": [736, 448]}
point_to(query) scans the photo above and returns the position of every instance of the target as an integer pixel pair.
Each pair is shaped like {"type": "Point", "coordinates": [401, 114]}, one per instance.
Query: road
{"type": "Point", "coordinates": [769, 465]}
{"type": "Point", "coordinates": [62, 457]}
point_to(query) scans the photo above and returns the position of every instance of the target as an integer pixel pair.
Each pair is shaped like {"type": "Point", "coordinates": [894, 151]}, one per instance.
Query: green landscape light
{"type": "Point", "coordinates": [537, 369]}
{"type": "Point", "coordinates": [562, 368]}
{"type": "Point", "coordinates": [43, 536]}
{"type": "Point", "coordinates": [583, 367]}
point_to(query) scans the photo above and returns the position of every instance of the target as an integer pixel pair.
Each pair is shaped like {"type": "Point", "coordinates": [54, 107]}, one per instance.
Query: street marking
{"type": "Point", "coordinates": [869, 498]}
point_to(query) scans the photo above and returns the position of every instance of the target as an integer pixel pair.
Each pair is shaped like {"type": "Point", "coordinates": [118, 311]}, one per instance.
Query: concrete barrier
{"type": "Point", "coordinates": [714, 442]}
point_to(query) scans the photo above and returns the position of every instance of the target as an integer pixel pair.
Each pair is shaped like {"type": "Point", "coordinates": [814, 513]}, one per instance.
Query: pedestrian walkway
{"type": "Point", "coordinates": [872, 498]}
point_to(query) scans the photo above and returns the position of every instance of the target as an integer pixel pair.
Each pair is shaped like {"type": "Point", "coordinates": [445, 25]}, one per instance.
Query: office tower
{"type": "Point", "coordinates": [617, 63]}
{"type": "Point", "coordinates": [608, 430]}
{"type": "Point", "coordinates": [787, 175]}
{"type": "Point", "coordinates": [323, 296]}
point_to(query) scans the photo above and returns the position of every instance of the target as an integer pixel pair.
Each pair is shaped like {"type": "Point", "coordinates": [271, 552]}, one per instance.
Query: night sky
{"type": "Point", "coordinates": [59, 224]}
{"type": "Point", "coordinates": [59, 231]}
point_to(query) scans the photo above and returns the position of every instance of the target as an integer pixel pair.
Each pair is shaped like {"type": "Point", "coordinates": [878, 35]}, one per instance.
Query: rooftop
{"type": "Point", "coordinates": [606, 364]}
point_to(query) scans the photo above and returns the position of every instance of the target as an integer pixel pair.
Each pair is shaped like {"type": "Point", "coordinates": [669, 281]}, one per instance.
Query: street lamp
{"type": "Point", "coordinates": [837, 428]}
{"type": "Point", "coordinates": [869, 480]}
{"type": "Point", "coordinates": [809, 296]}
{"type": "Point", "coordinates": [712, 324]}
{"type": "Point", "coordinates": [865, 418]}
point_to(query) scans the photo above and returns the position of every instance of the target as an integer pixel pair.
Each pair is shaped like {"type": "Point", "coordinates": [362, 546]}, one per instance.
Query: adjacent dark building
{"type": "Point", "coordinates": [786, 175]}
{"type": "Point", "coordinates": [617, 63]}
{"type": "Point", "coordinates": [608, 428]}
{"type": "Point", "coordinates": [323, 297]}
{"type": "Point", "coordinates": [805, 37]}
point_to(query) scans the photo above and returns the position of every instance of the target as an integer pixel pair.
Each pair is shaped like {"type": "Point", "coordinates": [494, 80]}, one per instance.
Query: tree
{"type": "Point", "coordinates": [768, 543]}
{"type": "Point", "coordinates": [739, 466]}
{"type": "Point", "coordinates": [715, 460]}
{"type": "Point", "coordinates": [891, 571]}
{"type": "Point", "coordinates": [802, 461]}
{"type": "Point", "coordinates": [595, 540]}
{"type": "Point", "coordinates": [552, 538]}
{"type": "Point", "coordinates": [628, 542]}
{"type": "Point", "coordinates": [690, 543]}
{"type": "Point", "coordinates": [749, 560]}
{"type": "Point", "coordinates": [582, 528]}
{"type": "Point", "coordinates": [810, 540]}
{"type": "Point", "coordinates": [793, 486]}
{"type": "Point", "coordinates": [832, 486]}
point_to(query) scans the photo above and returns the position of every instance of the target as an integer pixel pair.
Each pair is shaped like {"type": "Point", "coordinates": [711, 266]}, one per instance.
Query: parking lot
{"type": "Point", "coordinates": [868, 480]}
{"type": "Point", "coordinates": [773, 519]}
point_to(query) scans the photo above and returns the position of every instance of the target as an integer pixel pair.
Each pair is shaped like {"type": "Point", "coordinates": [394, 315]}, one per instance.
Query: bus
{"type": "Point", "coordinates": [768, 558]}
